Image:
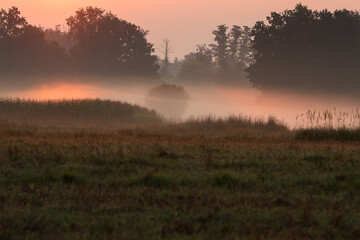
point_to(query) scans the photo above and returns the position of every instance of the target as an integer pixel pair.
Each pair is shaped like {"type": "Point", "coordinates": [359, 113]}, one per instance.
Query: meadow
{"type": "Point", "coordinates": [204, 178]}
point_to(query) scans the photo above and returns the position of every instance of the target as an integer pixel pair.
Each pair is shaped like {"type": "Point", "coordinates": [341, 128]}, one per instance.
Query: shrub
{"type": "Point", "coordinates": [171, 100]}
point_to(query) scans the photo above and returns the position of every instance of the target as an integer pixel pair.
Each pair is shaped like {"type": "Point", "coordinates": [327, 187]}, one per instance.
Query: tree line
{"type": "Point", "coordinates": [307, 50]}
{"type": "Point", "coordinates": [223, 61]}
{"type": "Point", "coordinates": [298, 49]}
{"type": "Point", "coordinates": [97, 43]}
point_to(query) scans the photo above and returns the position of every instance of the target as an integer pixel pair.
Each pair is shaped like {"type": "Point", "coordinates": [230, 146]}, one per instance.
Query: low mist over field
{"type": "Point", "coordinates": [260, 70]}
{"type": "Point", "coordinates": [205, 99]}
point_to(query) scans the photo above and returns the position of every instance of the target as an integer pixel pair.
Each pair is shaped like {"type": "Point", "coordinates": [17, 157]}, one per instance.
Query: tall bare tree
{"type": "Point", "coordinates": [166, 49]}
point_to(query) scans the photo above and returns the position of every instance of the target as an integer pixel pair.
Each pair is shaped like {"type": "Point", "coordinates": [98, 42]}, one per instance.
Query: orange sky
{"type": "Point", "coordinates": [185, 22]}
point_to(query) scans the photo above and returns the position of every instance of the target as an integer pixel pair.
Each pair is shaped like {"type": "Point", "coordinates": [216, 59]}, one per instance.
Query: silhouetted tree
{"type": "Point", "coordinates": [232, 53]}
{"type": "Point", "coordinates": [107, 45]}
{"type": "Point", "coordinates": [234, 43]}
{"type": "Point", "coordinates": [61, 36]}
{"type": "Point", "coordinates": [238, 57]}
{"type": "Point", "coordinates": [166, 49]}
{"type": "Point", "coordinates": [170, 100]}
{"type": "Point", "coordinates": [226, 60]}
{"type": "Point", "coordinates": [302, 49]}
{"type": "Point", "coordinates": [246, 54]}
{"type": "Point", "coordinates": [12, 25]}
{"type": "Point", "coordinates": [36, 55]}
{"type": "Point", "coordinates": [220, 49]}
{"type": "Point", "coordinates": [198, 65]}
{"type": "Point", "coordinates": [23, 48]}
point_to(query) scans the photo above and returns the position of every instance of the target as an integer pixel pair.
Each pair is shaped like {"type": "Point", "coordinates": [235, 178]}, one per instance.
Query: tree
{"type": "Point", "coordinates": [234, 43]}
{"type": "Point", "coordinates": [240, 54]}
{"type": "Point", "coordinates": [38, 56]}
{"type": "Point", "coordinates": [60, 36]}
{"type": "Point", "coordinates": [170, 100]}
{"type": "Point", "coordinates": [307, 50]}
{"type": "Point", "coordinates": [23, 48]}
{"type": "Point", "coordinates": [107, 45]}
{"type": "Point", "coordinates": [198, 65]}
{"type": "Point", "coordinates": [12, 24]}
{"type": "Point", "coordinates": [246, 54]}
{"type": "Point", "coordinates": [240, 50]}
{"type": "Point", "coordinates": [166, 49]}
{"type": "Point", "coordinates": [220, 49]}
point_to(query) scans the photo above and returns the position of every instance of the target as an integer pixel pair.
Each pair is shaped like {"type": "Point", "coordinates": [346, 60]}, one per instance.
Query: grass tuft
{"type": "Point", "coordinates": [70, 177]}
{"type": "Point", "coordinates": [151, 180]}
{"type": "Point", "coordinates": [224, 180]}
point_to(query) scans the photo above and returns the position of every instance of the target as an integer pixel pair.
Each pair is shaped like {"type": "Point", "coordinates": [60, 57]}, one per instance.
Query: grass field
{"type": "Point", "coordinates": [207, 178]}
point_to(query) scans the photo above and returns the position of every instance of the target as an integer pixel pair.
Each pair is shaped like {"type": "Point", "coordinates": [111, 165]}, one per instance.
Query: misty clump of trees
{"type": "Point", "coordinates": [171, 100]}
{"type": "Point", "coordinates": [224, 61]}
{"type": "Point", "coordinates": [60, 35]}
{"type": "Point", "coordinates": [307, 50]}
{"type": "Point", "coordinates": [96, 43]}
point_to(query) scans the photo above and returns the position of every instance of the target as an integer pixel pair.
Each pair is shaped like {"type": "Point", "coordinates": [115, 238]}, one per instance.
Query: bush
{"type": "Point", "coordinates": [171, 100]}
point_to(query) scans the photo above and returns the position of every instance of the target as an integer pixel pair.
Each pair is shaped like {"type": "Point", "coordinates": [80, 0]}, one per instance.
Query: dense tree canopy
{"type": "Point", "coordinates": [23, 48]}
{"type": "Point", "coordinates": [308, 50]}
{"type": "Point", "coordinates": [220, 48]}
{"type": "Point", "coordinates": [97, 44]}
{"type": "Point", "coordinates": [198, 65]}
{"type": "Point", "coordinates": [108, 45]}
{"type": "Point", "coordinates": [12, 24]}
{"type": "Point", "coordinates": [61, 36]}
{"type": "Point", "coordinates": [224, 61]}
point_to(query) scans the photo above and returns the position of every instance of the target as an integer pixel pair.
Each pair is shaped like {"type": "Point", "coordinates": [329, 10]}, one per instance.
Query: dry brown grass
{"type": "Point", "coordinates": [328, 118]}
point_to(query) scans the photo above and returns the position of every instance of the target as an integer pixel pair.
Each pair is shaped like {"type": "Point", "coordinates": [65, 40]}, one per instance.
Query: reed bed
{"type": "Point", "coordinates": [212, 122]}
{"type": "Point", "coordinates": [75, 113]}
{"type": "Point", "coordinates": [328, 118]}
{"type": "Point", "coordinates": [328, 125]}
{"type": "Point", "coordinates": [96, 114]}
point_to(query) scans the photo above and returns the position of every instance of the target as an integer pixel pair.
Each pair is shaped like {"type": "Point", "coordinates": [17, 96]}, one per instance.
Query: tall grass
{"type": "Point", "coordinates": [233, 126]}
{"type": "Point", "coordinates": [330, 124]}
{"type": "Point", "coordinates": [76, 113]}
{"type": "Point", "coordinates": [328, 118]}
{"type": "Point", "coordinates": [96, 113]}
{"type": "Point", "coordinates": [233, 122]}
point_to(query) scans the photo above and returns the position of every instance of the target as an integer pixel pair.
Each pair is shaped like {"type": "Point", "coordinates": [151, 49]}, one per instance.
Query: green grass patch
{"type": "Point", "coordinates": [152, 180]}
{"type": "Point", "coordinates": [320, 134]}
{"type": "Point", "coordinates": [177, 186]}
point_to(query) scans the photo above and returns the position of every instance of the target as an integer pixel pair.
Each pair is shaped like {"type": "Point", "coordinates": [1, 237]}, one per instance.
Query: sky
{"type": "Point", "coordinates": [185, 23]}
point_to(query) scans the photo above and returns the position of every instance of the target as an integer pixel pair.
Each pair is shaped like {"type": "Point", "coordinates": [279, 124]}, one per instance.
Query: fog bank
{"type": "Point", "coordinates": [216, 100]}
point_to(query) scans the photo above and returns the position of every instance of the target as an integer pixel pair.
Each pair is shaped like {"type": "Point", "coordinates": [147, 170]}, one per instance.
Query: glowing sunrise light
{"type": "Point", "coordinates": [61, 91]}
